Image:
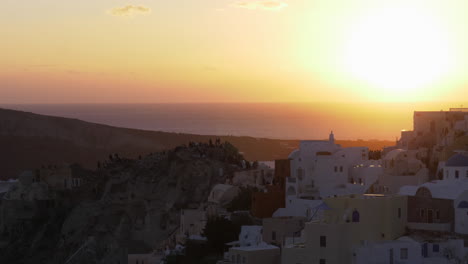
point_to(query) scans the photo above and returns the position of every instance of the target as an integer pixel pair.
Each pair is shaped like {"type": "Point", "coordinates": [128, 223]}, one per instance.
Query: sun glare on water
{"type": "Point", "coordinates": [397, 50]}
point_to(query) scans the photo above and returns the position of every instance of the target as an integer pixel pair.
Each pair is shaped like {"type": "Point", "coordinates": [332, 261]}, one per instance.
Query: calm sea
{"type": "Point", "coordinates": [270, 120]}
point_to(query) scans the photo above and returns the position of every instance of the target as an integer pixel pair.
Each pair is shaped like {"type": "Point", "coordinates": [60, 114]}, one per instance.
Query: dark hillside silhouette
{"type": "Point", "coordinates": [29, 141]}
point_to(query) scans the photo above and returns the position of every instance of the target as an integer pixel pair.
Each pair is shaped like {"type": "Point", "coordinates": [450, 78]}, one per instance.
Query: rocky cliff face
{"type": "Point", "coordinates": [124, 203]}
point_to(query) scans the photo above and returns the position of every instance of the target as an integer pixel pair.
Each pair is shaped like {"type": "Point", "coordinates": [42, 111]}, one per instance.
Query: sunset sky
{"type": "Point", "coordinates": [105, 51]}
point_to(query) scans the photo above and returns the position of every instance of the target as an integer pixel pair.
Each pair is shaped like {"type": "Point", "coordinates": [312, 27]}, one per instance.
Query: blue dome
{"type": "Point", "coordinates": [463, 204]}
{"type": "Point", "coordinates": [457, 160]}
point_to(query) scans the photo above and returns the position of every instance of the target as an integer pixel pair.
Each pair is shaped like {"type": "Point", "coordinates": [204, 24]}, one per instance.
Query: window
{"type": "Point", "coordinates": [323, 261]}
{"type": "Point", "coordinates": [244, 260]}
{"type": "Point", "coordinates": [299, 173]}
{"type": "Point", "coordinates": [273, 236]}
{"type": "Point", "coordinates": [457, 174]}
{"type": "Point", "coordinates": [355, 216]}
{"type": "Point", "coordinates": [336, 168]}
{"type": "Point", "coordinates": [403, 253]}
{"type": "Point", "coordinates": [422, 213]}
{"type": "Point", "coordinates": [399, 213]}
{"type": "Point", "coordinates": [435, 248]}
{"type": "Point", "coordinates": [323, 241]}
{"type": "Point", "coordinates": [341, 168]}
{"type": "Point", "coordinates": [437, 214]}
{"type": "Point", "coordinates": [467, 173]}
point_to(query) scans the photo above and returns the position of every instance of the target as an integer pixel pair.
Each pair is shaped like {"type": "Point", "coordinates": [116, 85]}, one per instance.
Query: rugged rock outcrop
{"type": "Point", "coordinates": [123, 203]}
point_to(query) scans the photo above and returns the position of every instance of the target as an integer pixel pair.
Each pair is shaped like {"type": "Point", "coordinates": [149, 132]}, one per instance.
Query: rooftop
{"type": "Point", "coordinates": [442, 189]}
{"type": "Point", "coordinates": [457, 160]}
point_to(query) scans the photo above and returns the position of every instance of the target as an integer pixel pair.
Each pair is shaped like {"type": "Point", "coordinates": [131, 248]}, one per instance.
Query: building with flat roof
{"type": "Point", "coordinates": [350, 221]}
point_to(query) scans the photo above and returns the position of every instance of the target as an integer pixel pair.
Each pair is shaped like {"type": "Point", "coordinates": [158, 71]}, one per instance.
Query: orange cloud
{"type": "Point", "coordinates": [263, 4]}
{"type": "Point", "coordinates": [129, 10]}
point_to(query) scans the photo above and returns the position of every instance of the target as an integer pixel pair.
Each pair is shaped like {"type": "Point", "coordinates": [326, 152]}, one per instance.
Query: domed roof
{"type": "Point", "coordinates": [457, 160]}
{"type": "Point", "coordinates": [393, 154]}
{"type": "Point", "coordinates": [294, 154]}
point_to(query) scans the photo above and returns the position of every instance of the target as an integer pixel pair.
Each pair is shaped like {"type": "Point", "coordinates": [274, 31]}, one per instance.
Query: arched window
{"type": "Point", "coordinates": [423, 192]}
{"type": "Point", "coordinates": [355, 216]}
{"type": "Point", "coordinates": [291, 191]}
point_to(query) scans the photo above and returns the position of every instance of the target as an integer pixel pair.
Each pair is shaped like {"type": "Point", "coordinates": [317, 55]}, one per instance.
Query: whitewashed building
{"type": "Point", "coordinates": [401, 168]}
{"type": "Point", "coordinates": [456, 167]}
{"type": "Point", "coordinates": [404, 250]}
{"type": "Point", "coordinates": [250, 248]}
{"type": "Point", "coordinates": [447, 189]}
{"type": "Point", "coordinates": [192, 224]}
{"type": "Point", "coordinates": [322, 169]}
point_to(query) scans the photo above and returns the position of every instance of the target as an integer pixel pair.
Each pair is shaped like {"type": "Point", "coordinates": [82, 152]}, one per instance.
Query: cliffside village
{"type": "Point", "coordinates": [324, 204]}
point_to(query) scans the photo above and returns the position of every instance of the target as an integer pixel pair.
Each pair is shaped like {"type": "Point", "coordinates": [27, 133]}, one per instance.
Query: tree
{"type": "Point", "coordinates": [375, 154]}
{"type": "Point", "coordinates": [255, 165]}
{"type": "Point", "coordinates": [243, 200]}
{"type": "Point", "coordinates": [219, 231]}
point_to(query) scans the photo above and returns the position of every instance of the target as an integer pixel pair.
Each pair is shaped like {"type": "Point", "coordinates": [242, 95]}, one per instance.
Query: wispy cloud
{"type": "Point", "coordinates": [262, 4]}
{"type": "Point", "coordinates": [130, 10]}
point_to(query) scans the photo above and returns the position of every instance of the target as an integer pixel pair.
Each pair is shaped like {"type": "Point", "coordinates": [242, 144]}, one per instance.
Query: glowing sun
{"type": "Point", "coordinates": [397, 50]}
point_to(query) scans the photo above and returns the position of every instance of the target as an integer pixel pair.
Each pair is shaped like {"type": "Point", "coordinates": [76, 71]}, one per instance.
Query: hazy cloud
{"type": "Point", "coordinates": [263, 4]}
{"type": "Point", "coordinates": [130, 10]}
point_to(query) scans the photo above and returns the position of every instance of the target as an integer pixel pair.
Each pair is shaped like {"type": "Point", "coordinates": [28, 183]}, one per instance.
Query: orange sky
{"type": "Point", "coordinates": [232, 51]}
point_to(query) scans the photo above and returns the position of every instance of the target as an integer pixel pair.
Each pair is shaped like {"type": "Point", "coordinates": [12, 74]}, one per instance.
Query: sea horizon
{"type": "Point", "coordinates": [275, 120]}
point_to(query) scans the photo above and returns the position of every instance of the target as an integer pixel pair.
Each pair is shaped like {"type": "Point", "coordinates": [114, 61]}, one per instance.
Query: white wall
{"type": "Point", "coordinates": [379, 253]}
{"type": "Point", "coordinates": [461, 213]}
{"type": "Point", "coordinates": [317, 176]}
{"type": "Point", "coordinates": [450, 173]}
